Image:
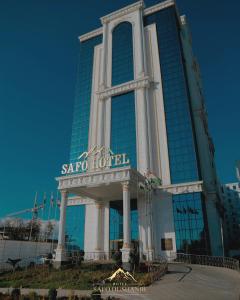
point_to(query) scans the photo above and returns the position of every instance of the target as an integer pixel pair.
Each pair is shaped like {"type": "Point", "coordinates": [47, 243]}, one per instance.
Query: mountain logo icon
{"type": "Point", "coordinates": [120, 274]}
{"type": "Point", "coordinates": [96, 150]}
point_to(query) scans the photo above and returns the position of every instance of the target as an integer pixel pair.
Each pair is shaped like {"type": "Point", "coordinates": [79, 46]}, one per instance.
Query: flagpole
{"type": "Point", "coordinates": [34, 207]}
{"type": "Point", "coordinates": [49, 209]}
{"type": "Point", "coordinates": [55, 215]}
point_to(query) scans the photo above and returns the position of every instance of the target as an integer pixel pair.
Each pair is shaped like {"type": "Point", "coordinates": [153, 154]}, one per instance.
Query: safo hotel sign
{"type": "Point", "coordinates": [97, 158]}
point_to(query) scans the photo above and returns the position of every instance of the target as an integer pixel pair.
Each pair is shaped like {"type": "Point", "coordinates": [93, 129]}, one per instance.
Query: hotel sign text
{"type": "Point", "coordinates": [97, 158]}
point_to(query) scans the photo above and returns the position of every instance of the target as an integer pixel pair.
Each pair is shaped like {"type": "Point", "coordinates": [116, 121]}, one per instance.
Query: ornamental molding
{"type": "Point", "coordinates": [94, 179]}
{"type": "Point", "coordinates": [76, 201]}
{"type": "Point", "coordinates": [91, 34]}
{"type": "Point", "coordinates": [122, 12]}
{"type": "Point", "coordinates": [124, 88]}
{"type": "Point", "coordinates": [183, 188]}
{"type": "Point", "coordinates": [157, 7]}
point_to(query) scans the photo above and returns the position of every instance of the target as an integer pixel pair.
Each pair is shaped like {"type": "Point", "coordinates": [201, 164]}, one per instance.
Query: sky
{"type": "Point", "coordinates": [38, 69]}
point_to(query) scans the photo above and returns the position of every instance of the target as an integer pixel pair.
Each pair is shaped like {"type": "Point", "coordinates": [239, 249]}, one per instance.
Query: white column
{"type": "Point", "coordinates": [126, 223]}
{"type": "Point", "coordinates": [104, 57]}
{"type": "Point", "coordinates": [106, 228]}
{"type": "Point", "coordinates": [143, 149]}
{"type": "Point", "coordinates": [141, 97]}
{"type": "Point", "coordinates": [139, 42]}
{"type": "Point", "coordinates": [150, 250]}
{"type": "Point", "coordinates": [98, 231]}
{"type": "Point", "coordinates": [60, 251]}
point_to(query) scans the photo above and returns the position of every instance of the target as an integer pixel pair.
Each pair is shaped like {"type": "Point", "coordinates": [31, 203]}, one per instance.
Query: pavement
{"type": "Point", "coordinates": [192, 282]}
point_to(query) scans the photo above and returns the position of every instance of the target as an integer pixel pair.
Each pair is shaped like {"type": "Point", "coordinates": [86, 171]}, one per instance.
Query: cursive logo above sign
{"type": "Point", "coordinates": [97, 158]}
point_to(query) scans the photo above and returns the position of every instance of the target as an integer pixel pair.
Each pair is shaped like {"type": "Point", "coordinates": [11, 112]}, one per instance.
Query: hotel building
{"type": "Point", "coordinates": [231, 201]}
{"type": "Point", "coordinates": [139, 110]}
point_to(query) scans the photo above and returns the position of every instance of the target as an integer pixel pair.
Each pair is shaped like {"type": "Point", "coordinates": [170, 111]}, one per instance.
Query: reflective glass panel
{"type": "Point", "coordinates": [122, 53]}
{"type": "Point", "coordinates": [75, 222]}
{"type": "Point", "coordinates": [190, 230]}
{"type": "Point", "coordinates": [180, 131]}
{"type": "Point", "coordinates": [81, 116]}
{"type": "Point", "coordinates": [123, 128]}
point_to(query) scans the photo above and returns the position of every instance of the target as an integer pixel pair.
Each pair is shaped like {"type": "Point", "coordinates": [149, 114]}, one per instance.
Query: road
{"type": "Point", "coordinates": [193, 282]}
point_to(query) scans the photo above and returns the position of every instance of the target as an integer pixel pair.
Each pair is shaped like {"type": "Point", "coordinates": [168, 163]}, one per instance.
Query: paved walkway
{"type": "Point", "coordinates": [193, 282]}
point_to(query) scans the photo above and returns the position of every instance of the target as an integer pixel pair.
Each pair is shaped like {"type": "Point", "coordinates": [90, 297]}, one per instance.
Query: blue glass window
{"type": "Point", "coordinates": [123, 127]}
{"type": "Point", "coordinates": [180, 131]}
{"type": "Point", "coordinates": [122, 53]}
{"type": "Point", "coordinates": [189, 223]}
{"type": "Point", "coordinates": [81, 117]}
{"type": "Point", "coordinates": [75, 222]}
{"type": "Point", "coordinates": [116, 220]}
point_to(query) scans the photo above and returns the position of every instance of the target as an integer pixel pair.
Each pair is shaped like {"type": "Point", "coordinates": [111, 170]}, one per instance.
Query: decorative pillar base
{"type": "Point", "coordinates": [150, 254]}
{"type": "Point", "coordinates": [98, 255]}
{"type": "Point", "coordinates": [60, 258]}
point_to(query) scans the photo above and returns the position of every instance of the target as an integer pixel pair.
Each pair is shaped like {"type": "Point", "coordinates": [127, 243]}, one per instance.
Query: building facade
{"type": "Point", "coordinates": [231, 201]}
{"type": "Point", "coordinates": [139, 110]}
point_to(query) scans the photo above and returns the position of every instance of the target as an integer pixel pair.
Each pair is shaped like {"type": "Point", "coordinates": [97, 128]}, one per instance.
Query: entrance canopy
{"type": "Point", "coordinates": [102, 185]}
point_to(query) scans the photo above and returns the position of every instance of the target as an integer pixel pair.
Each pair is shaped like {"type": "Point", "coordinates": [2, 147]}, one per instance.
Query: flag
{"type": "Point", "coordinates": [52, 200]}
{"type": "Point", "coordinates": [190, 210]}
{"type": "Point", "coordinates": [44, 201]}
{"type": "Point", "coordinates": [238, 169]}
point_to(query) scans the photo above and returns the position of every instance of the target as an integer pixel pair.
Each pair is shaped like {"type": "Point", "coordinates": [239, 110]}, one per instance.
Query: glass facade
{"type": "Point", "coordinates": [123, 127]}
{"type": "Point", "coordinates": [122, 53]}
{"type": "Point", "coordinates": [181, 143]}
{"type": "Point", "coordinates": [116, 220]}
{"type": "Point", "coordinates": [75, 217]}
{"type": "Point", "coordinates": [79, 141]}
{"type": "Point", "coordinates": [191, 233]}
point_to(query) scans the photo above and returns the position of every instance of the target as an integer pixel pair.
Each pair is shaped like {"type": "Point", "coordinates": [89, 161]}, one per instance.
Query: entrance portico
{"type": "Point", "coordinates": [98, 189]}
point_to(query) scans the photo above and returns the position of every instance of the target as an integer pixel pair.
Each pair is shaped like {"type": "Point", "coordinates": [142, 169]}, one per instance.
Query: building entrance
{"type": "Point", "coordinates": [116, 223]}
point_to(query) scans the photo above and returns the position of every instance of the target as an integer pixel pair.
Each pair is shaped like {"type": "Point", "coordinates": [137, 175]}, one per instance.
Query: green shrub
{"type": "Point", "coordinates": [52, 294]}
{"type": "Point", "coordinates": [16, 293]}
{"type": "Point", "coordinates": [33, 296]}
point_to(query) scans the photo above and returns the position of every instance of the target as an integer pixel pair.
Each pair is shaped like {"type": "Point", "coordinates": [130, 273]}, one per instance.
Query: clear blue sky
{"type": "Point", "coordinates": [38, 61]}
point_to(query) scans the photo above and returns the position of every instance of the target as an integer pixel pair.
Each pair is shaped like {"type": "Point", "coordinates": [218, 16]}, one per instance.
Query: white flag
{"type": "Point", "coordinates": [238, 169]}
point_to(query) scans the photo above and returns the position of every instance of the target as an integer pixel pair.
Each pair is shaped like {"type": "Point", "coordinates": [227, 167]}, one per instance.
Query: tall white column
{"type": "Point", "coordinates": [143, 149]}
{"type": "Point", "coordinates": [104, 57]}
{"type": "Point", "coordinates": [150, 249]}
{"type": "Point", "coordinates": [139, 38]}
{"type": "Point", "coordinates": [141, 96]}
{"type": "Point", "coordinates": [60, 251]}
{"type": "Point", "coordinates": [126, 223]}
{"type": "Point", "coordinates": [98, 230]}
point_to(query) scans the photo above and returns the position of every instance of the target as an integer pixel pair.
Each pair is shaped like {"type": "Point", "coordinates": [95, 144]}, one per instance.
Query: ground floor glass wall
{"type": "Point", "coordinates": [116, 223]}
{"type": "Point", "coordinates": [190, 223]}
{"type": "Point", "coordinates": [75, 219]}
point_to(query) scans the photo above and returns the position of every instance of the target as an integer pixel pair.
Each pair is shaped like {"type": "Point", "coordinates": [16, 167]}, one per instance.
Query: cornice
{"type": "Point", "coordinates": [91, 34]}
{"type": "Point", "coordinates": [157, 7]}
{"type": "Point", "coordinates": [126, 10]}
{"type": "Point", "coordinates": [122, 12]}
{"type": "Point", "coordinates": [99, 177]}
{"type": "Point", "coordinates": [182, 188]}
{"type": "Point", "coordinates": [124, 88]}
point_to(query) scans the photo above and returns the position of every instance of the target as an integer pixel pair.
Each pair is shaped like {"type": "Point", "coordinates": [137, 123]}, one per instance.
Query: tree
{"type": "Point", "coordinates": [49, 230]}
